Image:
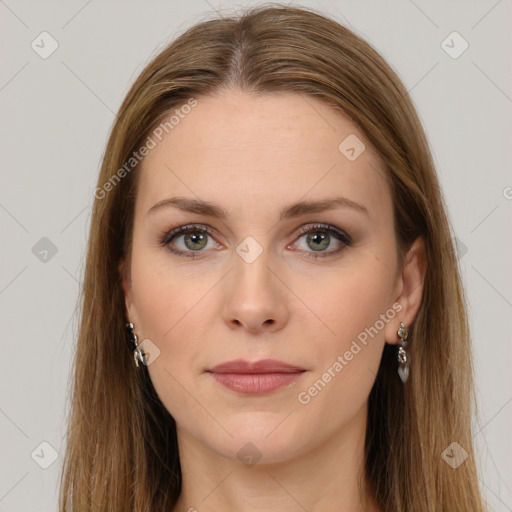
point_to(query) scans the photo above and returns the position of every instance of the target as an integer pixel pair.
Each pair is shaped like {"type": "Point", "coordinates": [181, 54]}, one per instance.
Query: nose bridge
{"type": "Point", "coordinates": [251, 272]}
{"type": "Point", "coordinates": [253, 298]}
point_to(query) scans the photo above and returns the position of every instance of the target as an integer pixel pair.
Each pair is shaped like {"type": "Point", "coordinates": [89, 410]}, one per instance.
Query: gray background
{"type": "Point", "coordinates": [55, 117]}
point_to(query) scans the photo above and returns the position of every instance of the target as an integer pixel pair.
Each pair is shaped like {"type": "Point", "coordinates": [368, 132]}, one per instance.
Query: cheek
{"type": "Point", "coordinates": [174, 308]}
{"type": "Point", "coordinates": [163, 294]}
{"type": "Point", "coordinates": [351, 299]}
{"type": "Point", "coordinates": [354, 307]}
{"type": "Point", "coordinates": [172, 315]}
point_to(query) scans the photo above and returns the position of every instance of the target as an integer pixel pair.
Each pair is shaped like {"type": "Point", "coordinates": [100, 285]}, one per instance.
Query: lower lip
{"type": "Point", "coordinates": [255, 383]}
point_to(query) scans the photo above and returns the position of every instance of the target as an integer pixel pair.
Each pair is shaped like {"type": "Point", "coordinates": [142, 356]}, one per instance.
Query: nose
{"type": "Point", "coordinates": [255, 299]}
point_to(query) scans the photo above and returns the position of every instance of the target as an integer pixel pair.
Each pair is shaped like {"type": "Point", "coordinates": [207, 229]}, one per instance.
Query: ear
{"type": "Point", "coordinates": [410, 289]}
{"type": "Point", "coordinates": [124, 273]}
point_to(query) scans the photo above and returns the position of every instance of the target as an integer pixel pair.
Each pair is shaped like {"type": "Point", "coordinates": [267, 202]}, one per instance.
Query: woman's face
{"type": "Point", "coordinates": [291, 256]}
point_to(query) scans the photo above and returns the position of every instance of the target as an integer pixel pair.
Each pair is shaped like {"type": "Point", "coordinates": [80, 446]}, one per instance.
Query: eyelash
{"type": "Point", "coordinates": [167, 237]}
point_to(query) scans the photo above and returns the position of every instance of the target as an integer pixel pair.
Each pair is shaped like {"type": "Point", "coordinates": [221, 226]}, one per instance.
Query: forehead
{"type": "Point", "coordinates": [245, 151]}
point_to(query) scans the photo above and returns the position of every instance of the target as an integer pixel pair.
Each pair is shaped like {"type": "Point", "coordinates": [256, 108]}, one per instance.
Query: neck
{"type": "Point", "coordinates": [330, 477]}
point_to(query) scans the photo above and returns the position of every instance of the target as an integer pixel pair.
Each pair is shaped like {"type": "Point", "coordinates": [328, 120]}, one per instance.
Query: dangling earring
{"type": "Point", "coordinates": [403, 357]}
{"type": "Point", "coordinates": [131, 338]}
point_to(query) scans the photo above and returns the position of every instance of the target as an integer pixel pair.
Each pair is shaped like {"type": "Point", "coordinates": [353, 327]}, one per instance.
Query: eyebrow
{"type": "Point", "coordinates": [288, 212]}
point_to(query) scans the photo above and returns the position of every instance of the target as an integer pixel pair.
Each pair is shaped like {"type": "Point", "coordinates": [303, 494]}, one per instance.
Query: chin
{"type": "Point", "coordinates": [259, 437]}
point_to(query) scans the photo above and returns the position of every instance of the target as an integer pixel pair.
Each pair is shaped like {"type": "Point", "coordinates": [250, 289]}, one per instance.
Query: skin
{"type": "Point", "coordinates": [252, 156]}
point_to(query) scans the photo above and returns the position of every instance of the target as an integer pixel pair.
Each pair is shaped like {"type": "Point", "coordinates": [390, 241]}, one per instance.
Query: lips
{"type": "Point", "coordinates": [262, 366]}
{"type": "Point", "coordinates": [255, 378]}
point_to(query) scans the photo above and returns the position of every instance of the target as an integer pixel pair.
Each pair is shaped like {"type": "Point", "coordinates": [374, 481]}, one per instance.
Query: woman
{"type": "Point", "coordinates": [269, 234]}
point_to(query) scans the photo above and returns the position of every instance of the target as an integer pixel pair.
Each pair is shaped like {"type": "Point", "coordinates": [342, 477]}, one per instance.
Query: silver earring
{"type": "Point", "coordinates": [131, 338]}
{"type": "Point", "coordinates": [403, 357]}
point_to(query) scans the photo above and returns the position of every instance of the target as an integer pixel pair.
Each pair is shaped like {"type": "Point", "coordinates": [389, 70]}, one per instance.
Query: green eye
{"type": "Point", "coordinates": [195, 240]}
{"type": "Point", "coordinates": [318, 241]}
{"type": "Point", "coordinates": [187, 240]}
{"type": "Point", "coordinates": [319, 238]}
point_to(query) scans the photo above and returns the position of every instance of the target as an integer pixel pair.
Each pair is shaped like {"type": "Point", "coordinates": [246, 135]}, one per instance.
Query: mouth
{"type": "Point", "coordinates": [256, 378]}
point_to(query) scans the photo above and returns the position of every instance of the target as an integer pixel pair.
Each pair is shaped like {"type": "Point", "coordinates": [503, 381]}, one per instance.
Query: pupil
{"type": "Point", "coordinates": [195, 240]}
{"type": "Point", "coordinates": [319, 238]}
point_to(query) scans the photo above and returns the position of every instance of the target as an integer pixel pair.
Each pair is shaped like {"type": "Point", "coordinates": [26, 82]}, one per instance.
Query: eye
{"type": "Point", "coordinates": [318, 238]}
{"type": "Point", "coordinates": [187, 240]}
{"type": "Point", "coordinates": [191, 240]}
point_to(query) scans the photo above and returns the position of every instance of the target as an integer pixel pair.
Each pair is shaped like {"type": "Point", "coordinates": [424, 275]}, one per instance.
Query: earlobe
{"type": "Point", "coordinates": [412, 278]}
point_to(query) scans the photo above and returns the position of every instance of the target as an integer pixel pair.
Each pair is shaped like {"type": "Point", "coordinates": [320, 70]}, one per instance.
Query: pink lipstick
{"type": "Point", "coordinates": [255, 378]}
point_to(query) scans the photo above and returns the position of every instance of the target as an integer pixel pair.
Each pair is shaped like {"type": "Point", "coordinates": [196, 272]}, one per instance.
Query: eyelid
{"type": "Point", "coordinates": [343, 235]}
{"type": "Point", "coordinates": [168, 235]}
{"type": "Point", "coordinates": [340, 235]}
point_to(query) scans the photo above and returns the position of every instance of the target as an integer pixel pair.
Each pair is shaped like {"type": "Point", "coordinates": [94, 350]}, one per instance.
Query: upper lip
{"type": "Point", "coordinates": [262, 366]}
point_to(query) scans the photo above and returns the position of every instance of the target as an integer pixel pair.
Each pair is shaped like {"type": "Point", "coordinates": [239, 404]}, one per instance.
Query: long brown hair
{"type": "Point", "coordinates": [122, 450]}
